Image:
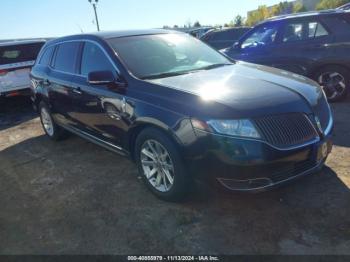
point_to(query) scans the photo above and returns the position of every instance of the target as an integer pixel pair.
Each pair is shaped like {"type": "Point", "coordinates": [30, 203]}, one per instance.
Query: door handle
{"type": "Point", "coordinates": [77, 90]}
{"type": "Point", "coordinates": [46, 82]}
{"type": "Point", "coordinates": [315, 46]}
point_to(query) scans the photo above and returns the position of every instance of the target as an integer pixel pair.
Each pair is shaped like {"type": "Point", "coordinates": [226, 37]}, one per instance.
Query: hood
{"type": "Point", "coordinates": [249, 87]}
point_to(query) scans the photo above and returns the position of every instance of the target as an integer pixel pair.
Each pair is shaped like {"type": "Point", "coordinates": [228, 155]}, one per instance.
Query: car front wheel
{"type": "Point", "coordinates": [161, 166]}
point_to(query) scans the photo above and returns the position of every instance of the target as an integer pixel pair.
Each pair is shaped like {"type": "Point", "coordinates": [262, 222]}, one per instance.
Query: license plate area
{"type": "Point", "coordinates": [323, 150]}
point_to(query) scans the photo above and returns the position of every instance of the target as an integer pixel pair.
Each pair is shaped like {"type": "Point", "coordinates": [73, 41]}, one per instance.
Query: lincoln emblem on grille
{"type": "Point", "coordinates": [318, 122]}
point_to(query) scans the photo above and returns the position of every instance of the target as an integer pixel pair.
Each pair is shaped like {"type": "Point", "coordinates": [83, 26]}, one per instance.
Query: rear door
{"type": "Point", "coordinates": [15, 64]}
{"type": "Point", "coordinates": [302, 44]}
{"type": "Point", "coordinates": [59, 81]}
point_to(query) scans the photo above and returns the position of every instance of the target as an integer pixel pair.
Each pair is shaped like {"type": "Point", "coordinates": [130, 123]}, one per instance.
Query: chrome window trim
{"type": "Point", "coordinates": [82, 41]}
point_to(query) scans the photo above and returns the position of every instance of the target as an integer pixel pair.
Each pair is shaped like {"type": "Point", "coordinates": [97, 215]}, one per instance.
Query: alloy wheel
{"type": "Point", "coordinates": [157, 165]}
{"type": "Point", "coordinates": [333, 83]}
{"type": "Point", "coordinates": [47, 121]}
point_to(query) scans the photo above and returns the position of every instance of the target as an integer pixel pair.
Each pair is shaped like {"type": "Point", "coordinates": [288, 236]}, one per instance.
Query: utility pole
{"type": "Point", "coordinates": [94, 5]}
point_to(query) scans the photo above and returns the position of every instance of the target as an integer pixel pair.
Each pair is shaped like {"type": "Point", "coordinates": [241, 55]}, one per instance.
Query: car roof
{"type": "Point", "coordinates": [21, 42]}
{"type": "Point", "coordinates": [114, 34]}
{"type": "Point", "coordinates": [306, 14]}
{"type": "Point", "coordinates": [231, 29]}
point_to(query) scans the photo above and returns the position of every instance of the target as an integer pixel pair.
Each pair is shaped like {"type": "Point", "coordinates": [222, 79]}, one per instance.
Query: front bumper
{"type": "Point", "coordinates": [251, 165]}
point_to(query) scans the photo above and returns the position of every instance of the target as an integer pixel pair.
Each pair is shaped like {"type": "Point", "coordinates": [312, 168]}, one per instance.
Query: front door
{"type": "Point", "coordinates": [98, 109]}
{"type": "Point", "coordinates": [259, 46]}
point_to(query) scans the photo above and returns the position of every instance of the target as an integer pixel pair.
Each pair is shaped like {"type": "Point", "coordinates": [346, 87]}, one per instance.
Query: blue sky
{"type": "Point", "coordinates": [43, 18]}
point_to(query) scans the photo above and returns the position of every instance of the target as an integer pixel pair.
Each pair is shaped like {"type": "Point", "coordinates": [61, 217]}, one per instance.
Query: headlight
{"type": "Point", "coordinates": [241, 128]}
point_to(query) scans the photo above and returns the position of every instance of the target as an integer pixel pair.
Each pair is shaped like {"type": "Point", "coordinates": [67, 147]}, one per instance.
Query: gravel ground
{"type": "Point", "coordinates": [73, 197]}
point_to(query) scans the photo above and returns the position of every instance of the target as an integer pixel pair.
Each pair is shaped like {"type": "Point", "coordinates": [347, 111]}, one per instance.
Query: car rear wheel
{"type": "Point", "coordinates": [335, 81]}
{"type": "Point", "coordinates": [160, 165]}
{"type": "Point", "coordinates": [51, 129]}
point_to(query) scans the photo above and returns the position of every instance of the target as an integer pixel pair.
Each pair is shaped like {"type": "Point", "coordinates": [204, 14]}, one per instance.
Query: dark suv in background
{"type": "Point", "coordinates": [314, 44]}
{"type": "Point", "coordinates": [223, 38]}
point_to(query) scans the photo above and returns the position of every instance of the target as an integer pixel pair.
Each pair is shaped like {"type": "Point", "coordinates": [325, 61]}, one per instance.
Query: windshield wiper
{"type": "Point", "coordinates": [164, 75]}
{"type": "Point", "coordinates": [213, 66]}
{"type": "Point", "coordinates": [170, 74]}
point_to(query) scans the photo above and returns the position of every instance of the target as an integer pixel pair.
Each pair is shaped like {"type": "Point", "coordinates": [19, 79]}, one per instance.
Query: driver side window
{"type": "Point", "coordinates": [94, 59]}
{"type": "Point", "coordinates": [293, 32]}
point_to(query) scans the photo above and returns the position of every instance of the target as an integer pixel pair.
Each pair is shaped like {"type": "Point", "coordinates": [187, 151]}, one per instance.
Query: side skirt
{"type": "Point", "coordinates": [97, 141]}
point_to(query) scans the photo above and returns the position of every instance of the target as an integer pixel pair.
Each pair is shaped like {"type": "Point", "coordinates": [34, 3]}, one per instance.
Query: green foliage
{"type": "Point", "coordinates": [257, 16]}
{"type": "Point", "coordinates": [238, 21]}
{"type": "Point", "coordinates": [282, 8]}
{"type": "Point", "coordinates": [298, 8]}
{"type": "Point", "coordinates": [286, 7]}
{"type": "Point", "coordinates": [197, 24]}
{"type": "Point", "coordinates": [330, 4]}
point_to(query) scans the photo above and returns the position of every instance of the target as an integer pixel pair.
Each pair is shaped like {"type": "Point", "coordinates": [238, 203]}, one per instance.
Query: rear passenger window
{"type": "Point", "coordinates": [94, 59]}
{"type": "Point", "coordinates": [46, 57]}
{"type": "Point", "coordinates": [66, 55]}
{"type": "Point", "coordinates": [316, 30]}
{"type": "Point", "coordinates": [293, 32]}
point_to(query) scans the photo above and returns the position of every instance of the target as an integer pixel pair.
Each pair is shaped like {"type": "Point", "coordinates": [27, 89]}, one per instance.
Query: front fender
{"type": "Point", "coordinates": [178, 127]}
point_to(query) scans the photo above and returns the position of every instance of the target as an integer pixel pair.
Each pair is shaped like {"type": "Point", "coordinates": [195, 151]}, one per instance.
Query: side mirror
{"type": "Point", "coordinates": [236, 45]}
{"type": "Point", "coordinates": [101, 78]}
{"type": "Point", "coordinates": [105, 78]}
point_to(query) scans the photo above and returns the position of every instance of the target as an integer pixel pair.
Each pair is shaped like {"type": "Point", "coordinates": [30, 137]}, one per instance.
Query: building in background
{"type": "Point", "coordinates": [309, 5]}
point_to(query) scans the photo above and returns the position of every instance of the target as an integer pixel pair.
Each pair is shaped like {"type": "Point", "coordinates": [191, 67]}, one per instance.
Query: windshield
{"type": "Point", "coordinates": [164, 55]}
{"type": "Point", "coordinates": [263, 35]}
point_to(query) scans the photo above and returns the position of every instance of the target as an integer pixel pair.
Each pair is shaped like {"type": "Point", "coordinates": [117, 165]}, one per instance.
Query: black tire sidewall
{"type": "Point", "coordinates": [181, 180]}
{"type": "Point", "coordinates": [339, 69]}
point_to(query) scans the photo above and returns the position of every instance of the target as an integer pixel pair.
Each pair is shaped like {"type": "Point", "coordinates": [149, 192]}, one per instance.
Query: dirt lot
{"type": "Point", "coordinates": [74, 197]}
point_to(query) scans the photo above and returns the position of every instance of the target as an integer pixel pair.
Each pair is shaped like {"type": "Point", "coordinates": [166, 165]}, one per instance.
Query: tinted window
{"type": "Point", "coordinates": [46, 57]}
{"type": "Point", "coordinates": [19, 53]}
{"type": "Point", "coordinates": [66, 54]}
{"type": "Point", "coordinates": [223, 35]}
{"type": "Point", "coordinates": [293, 32]}
{"type": "Point", "coordinates": [263, 35]}
{"type": "Point", "coordinates": [94, 59]}
{"type": "Point", "coordinates": [164, 55]}
{"type": "Point", "coordinates": [316, 30]}
{"type": "Point", "coordinates": [235, 34]}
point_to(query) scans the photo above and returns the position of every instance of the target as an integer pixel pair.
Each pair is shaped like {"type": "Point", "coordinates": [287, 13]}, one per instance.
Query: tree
{"type": "Point", "coordinates": [238, 21]}
{"type": "Point", "coordinates": [299, 7]}
{"type": "Point", "coordinates": [282, 8]}
{"type": "Point", "coordinates": [197, 24]}
{"type": "Point", "coordinates": [330, 4]}
{"type": "Point", "coordinates": [176, 26]}
{"type": "Point", "coordinates": [257, 16]}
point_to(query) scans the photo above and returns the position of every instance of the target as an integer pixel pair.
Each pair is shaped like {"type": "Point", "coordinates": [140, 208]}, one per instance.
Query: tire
{"type": "Point", "coordinates": [335, 81]}
{"type": "Point", "coordinates": [158, 144]}
{"type": "Point", "coordinates": [52, 130]}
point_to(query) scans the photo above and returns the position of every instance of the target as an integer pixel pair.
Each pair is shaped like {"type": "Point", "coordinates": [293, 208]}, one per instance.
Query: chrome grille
{"type": "Point", "coordinates": [286, 130]}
